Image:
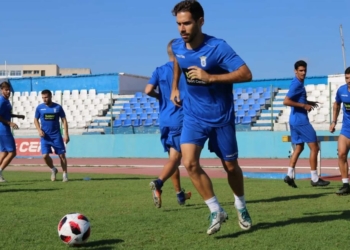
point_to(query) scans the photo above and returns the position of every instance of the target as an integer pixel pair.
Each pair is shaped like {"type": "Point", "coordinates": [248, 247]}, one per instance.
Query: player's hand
{"type": "Point", "coordinates": [313, 104]}
{"type": "Point", "coordinates": [21, 117]}
{"type": "Point", "coordinates": [198, 73]}
{"type": "Point", "coordinates": [308, 107]}
{"type": "Point", "coordinates": [13, 125]}
{"type": "Point", "coordinates": [66, 139]}
{"type": "Point", "coordinates": [332, 127]}
{"type": "Point", "coordinates": [175, 97]}
{"type": "Point", "coordinates": [41, 133]}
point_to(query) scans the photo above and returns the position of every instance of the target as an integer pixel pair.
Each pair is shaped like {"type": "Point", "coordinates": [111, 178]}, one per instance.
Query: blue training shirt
{"type": "Point", "coordinates": [343, 96]}
{"type": "Point", "coordinates": [208, 104]}
{"type": "Point", "coordinates": [169, 114]}
{"type": "Point", "coordinates": [5, 113]}
{"type": "Point", "coordinates": [50, 118]}
{"type": "Point", "coordinates": [297, 93]}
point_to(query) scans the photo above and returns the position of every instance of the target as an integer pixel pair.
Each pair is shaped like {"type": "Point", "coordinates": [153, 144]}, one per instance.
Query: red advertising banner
{"type": "Point", "coordinates": [28, 147]}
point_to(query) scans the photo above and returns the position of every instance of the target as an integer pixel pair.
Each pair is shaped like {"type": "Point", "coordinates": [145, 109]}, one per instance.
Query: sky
{"type": "Point", "coordinates": [130, 36]}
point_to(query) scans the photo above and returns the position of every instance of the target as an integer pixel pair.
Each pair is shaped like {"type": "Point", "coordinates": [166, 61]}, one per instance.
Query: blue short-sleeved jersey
{"type": "Point", "coordinates": [169, 114]}
{"type": "Point", "coordinates": [343, 96]}
{"type": "Point", "coordinates": [209, 104]}
{"type": "Point", "coordinates": [50, 118]}
{"type": "Point", "coordinates": [297, 93]}
{"type": "Point", "coordinates": [5, 113]}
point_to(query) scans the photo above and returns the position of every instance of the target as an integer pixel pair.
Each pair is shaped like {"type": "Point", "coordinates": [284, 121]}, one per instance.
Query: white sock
{"type": "Point", "coordinates": [65, 175]}
{"type": "Point", "coordinates": [213, 205]}
{"type": "Point", "coordinates": [239, 202]}
{"type": "Point", "coordinates": [53, 169]}
{"type": "Point", "coordinates": [0, 171]}
{"type": "Point", "coordinates": [344, 180]}
{"type": "Point", "coordinates": [314, 176]}
{"type": "Point", "coordinates": [290, 172]}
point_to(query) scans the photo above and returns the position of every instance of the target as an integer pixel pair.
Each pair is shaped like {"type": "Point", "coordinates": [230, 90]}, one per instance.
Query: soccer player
{"type": "Point", "coordinates": [170, 121]}
{"type": "Point", "coordinates": [210, 67]}
{"type": "Point", "coordinates": [343, 96]}
{"type": "Point", "coordinates": [49, 114]}
{"type": "Point", "coordinates": [300, 128]}
{"type": "Point", "coordinates": [7, 142]}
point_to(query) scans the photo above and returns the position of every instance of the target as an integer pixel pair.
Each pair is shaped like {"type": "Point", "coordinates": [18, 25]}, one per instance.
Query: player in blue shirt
{"type": "Point", "coordinates": [210, 67]}
{"type": "Point", "coordinates": [49, 114]}
{"type": "Point", "coordinates": [7, 142]}
{"type": "Point", "coordinates": [343, 96]}
{"type": "Point", "coordinates": [300, 128]}
{"type": "Point", "coordinates": [170, 121]}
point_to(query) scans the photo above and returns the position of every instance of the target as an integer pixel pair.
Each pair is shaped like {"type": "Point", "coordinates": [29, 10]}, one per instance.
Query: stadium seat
{"type": "Point", "coordinates": [255, 96]}
{"type": "Point", "coordinates": [249, 91]}
{"type": "Point", "coordinates": [127, 123]}
{"type": "Point", "coordinates": [122, 116]}
{"type": "Point", "coordinates": [136, 105]}
{"type": "Point", "coordinates": [260, 90]}
{"type": "Point", "coordinates": [152, 100]}
{"type": "Point", "coordinates": [139, 111]}
{"type": "Point", "coordinates": [117, 123]}
{"type": "Point", "coordinates": [251, 102]}
{"type": "Point", "coordinates": [156, 123]}
{"type": "Point", "coordinates": [128, 111]}
{"type": "Point", "coordinates": [247, 120]}
{"type": "Point", "coordinates": [240, 102]}
{"type": "Point", "coordinates": [235, 97]}
{"type": "Point", "coordinates": [149, 110]}
{"type": "Point", "coordinates": [251, 113]}
{"type": "Point", "coordinates": [237, 120]}
{"type": "Point", "coordinates": [138, 95]}
{"type": "Point", "coordinates": [154, 116]}
{"type": "Point", "coordinates": [144, 100]}
{"type": "Point", "coordinates": [135, 123]}
{"type": "Point", "coordinates": [133, 100]}
{"type": "Point", "coordinates": [148, 122]}
{"type": "Point", "coordinates": [146, 105]}
{"type": "Point", "coordinates": [240, 113]}
{"type": "Point", "coordinates": [133, 116]}
{"type": "Point", "coordinates": [244, 96]}
{"type": "Point", "coordinates": [156, 105]}
{"type": "Point", "coordinates": [257, 107]}
{"type": "Point", "coordinates": [143, 116]}
{"type": "Point", "coordinates": [238, 91]}
{"type": "Point", "coordinates": [245, 107]}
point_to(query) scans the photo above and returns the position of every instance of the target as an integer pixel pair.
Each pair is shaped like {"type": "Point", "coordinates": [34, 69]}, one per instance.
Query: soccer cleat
{"type": "Point", "coordinates": [290, 181]}
{"type": "Point", "coordinates": [182, 197]}
{"type": "Point", "coordinates": [320, 183]}
{"type": "Point", "coordinates": [244, 220]}
{"type": "Point", "coordinates": [53, 174]}
{"type": "Point", "coordinates": [2, 178]}
{"type": "Point", "coordinates": [65, 179]}
{"type": "Point", "coordinates": [216, 219]}
{"type": "Point", "coordinates": [344, 190]}
{"type": "Point", "coordinates": [156, 193]}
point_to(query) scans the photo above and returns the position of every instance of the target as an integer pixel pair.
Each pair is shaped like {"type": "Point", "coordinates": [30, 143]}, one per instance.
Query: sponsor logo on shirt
{"type": "Point", "coordinates": [193, 81]}
{"type": "Point", "coordinates": [49, 117]}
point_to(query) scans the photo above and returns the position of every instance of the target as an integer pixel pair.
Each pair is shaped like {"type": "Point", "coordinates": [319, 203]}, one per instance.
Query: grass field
{"type": "Point", "coordinates": [122, 214]}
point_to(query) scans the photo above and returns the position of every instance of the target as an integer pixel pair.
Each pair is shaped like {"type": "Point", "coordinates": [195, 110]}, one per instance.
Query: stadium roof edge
{"type": "Point", "coordinates": [286, 78]}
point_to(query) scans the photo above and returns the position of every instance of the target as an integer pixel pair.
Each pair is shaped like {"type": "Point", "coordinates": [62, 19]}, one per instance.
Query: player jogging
{"type": "Point", "coordinates": [343, 96]}
{"type": "Point", "coordinates": [7, 142]}
{"type": "Point", "coordinates": [300, 128]}
{"type": "Point", "coordinates": [211, 67]}
{"type": "Point", "coordinates": [170, 121]}
{"type": "Point", "coordinates": [49, 114]}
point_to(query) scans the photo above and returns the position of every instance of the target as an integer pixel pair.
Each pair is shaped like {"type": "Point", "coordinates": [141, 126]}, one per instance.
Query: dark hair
{"type": "Point", "coordinates": [347, 71]}
{"type": "Point", "coordinates": [46, 92]}
{"type": "Point", "coordinates": [300, 63]}
{"type": "Point", "coordinates": [192, 6]}
{"type": "Point", "coordinates": [5, 84]}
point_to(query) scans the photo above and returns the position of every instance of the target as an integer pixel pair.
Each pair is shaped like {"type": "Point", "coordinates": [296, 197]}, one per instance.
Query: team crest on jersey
{"type": "Point", "coordinates": [54, 110]}
{"type": "Point", "coordinates": [203, 61]}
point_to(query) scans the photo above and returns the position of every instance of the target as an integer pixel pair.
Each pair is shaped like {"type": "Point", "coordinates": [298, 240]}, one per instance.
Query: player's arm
{"type": "Point", "coordinates": [150, 91]}
{"type": "Point", "coordinates": [175, 93]}
{"type": "Point", "coordinates": [4, 121]}
{"type": "Point", "coordinates": [18, 116]}
{"type": "Point", "coordinates": [336, 111]}
{"type": "Point", "coordinates": [288, 100]}
{"type": "Point", "coordinates": [65, 127]}
{"type": "Point", "coordinates": [242, 74]}
{"type": "Point", "coordinates": [37, 124]}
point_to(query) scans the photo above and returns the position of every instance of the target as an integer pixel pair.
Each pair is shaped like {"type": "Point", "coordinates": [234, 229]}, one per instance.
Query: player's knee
{"type": "Point", "coordinates": [231, 166]}
{"type": "Point", "coordinates": [342, 156]}
{"type": "Point", "coordinates": [191, 165]}
{"type": "Point", "coordinates": [13, 154]}
{"type": "Point", "coordinates": [314, 147]}
{"type": "Point", "coordinates": [46, 156]}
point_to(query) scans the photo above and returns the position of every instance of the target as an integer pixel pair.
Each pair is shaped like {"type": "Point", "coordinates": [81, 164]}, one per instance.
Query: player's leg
{"type": "Point", "coordinates": [308, 135]}
{"type": "Point", "coordinates": [343, 150]}
{"type": "Point", "coordinates": [8, 148]}
{"type": "Point", "coordinates": [299, 147]}
{"type": "Point", "coordinates": [64, 166]}
{"type": "Point", "coordinates": [223, 143]}
{"type": "Point", "coordinates": [60, 150]}
{"type": "Point", "coordinates": [193, 138]}
{"type": "Point", "coordinates": [45, 152]}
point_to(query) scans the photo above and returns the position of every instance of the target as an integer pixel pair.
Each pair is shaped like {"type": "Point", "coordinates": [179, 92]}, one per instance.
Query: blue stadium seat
{"type": "Point", "coordinates": [148, 122]}
{"type": "Point", "coordinates": [244, 96]}
{"type": "Point", "coordinates": [152, 100]}
{"type": "Point", "coordinates": [133, 116]}
{"type": "Point", "coordinates": [138, 94]}
{"type": "Point", "coordinates": [126, 105]}
{"type": "Point", "coordinates": [154, 116]}
{"type": "Point", "coordinates": [128, 111]}
{"type": "Point", "coordinates": [156, 123]}
{"type": "Point", "coordinates": [249, 91]}
{"type": "Point", "coordinates": [235, 96]}
{"type": "Point", "coordinates": [256, 107]}
{"type": "Point", "coordinates": [139, 111]}
{"type": "Point", "coordinates": [255, 96]}
{"type": "Point", "coordinates": [261, 101]}
{"type": "Point", "coordinates": [237, 120]}
{"type": "Point", "coordinates": [136, 123]}
{"type": "Point", "coordinates": [252, 113]}
{"type": "Point", "coordinates": [247, 120]}
{"type": "Point", "coordinates": [136, 105]}
{"type": "Point", "coordinates": [157, 110]}
{"type": "Point", "coordinates": [127, 123]}
{"type": "Point", "coordinates": [238, 91]}
{"type": "Point", "coordinates": [144, 99]}
{"type": "Point", "coordinates": [245, 107]}
{"type": "Point", "coordinates": [260, 90]}
{"type": "Point", "coordinates": [149, 111]}
{"type": "Point", "coordinates": [117, 123]}
{"type": "Point", "coordinates": [267, 95]}
{"type": "Point", "coordinates": [133, 100]}
{"type": "Point", "coordinates": [147, 105]}
{"type": "Point", "coordinates": [251, 101]}
{"type": "Point", "coordinates": [122, 116]}
{"type": "Point", "coordinates": [240, 113]}
{"type": "Point", "coordinates": [236, 107]}
{"type": "Point", "coordinates": [156, 105]}
{"type": "Point", "coordinates": [143, 116]}
{"type": "Point", "coordinates": [240, 102]}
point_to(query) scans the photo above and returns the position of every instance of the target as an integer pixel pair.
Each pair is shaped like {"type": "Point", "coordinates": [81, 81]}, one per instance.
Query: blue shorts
{"type": "Point", "coordinates": [222, 140]}
{"type": "Point", "coordinates": [345, 131]}
{"type": "Point", "coordinates": [7, 143]}
{"type": "Point", "coordinates": [56, 142]}
{"type": "Point", "coordinates": [303, 134]}
{"type": "Point", "coordinates": [170, 138]}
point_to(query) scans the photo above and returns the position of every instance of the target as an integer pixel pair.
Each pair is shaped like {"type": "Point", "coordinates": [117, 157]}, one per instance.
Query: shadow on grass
{"type": "Point", "coordinates": [27, 190]}
{"type": "Point", "coordinates": [197, 206]}
{"type": "Point", "coordinates": [313, 218]}
{"type": "Point", "coordinates": [92, 179]}
{"type": "Point", "coordinates": [102, 244]}
{"type": "Point", "coordinates": [291, 197]}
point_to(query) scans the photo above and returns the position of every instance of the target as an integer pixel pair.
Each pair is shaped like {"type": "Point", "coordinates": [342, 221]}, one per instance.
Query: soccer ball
{"type": "Point", "coordinates": [74, 229]}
